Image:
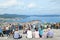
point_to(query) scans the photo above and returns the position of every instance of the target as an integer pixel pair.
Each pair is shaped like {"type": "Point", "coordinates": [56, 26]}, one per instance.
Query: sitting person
{"type": "Point", "coordinates": [17, 35]}
{"type": "Point", "coordinates": [36, 33]}
{"type": "Point", "coordinates": [50, 33]}
{"type": "Point", "coordinates": [41, 31]}
{"type": "Point", "coordinates": [29, 33]}
{"type": "Point", "coordinates": [1, 32]}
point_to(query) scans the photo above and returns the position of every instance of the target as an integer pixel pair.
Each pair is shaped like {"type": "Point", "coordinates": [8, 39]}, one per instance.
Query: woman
{"type": "Point", "coordinates": [17, 35]}
{"type": "Point", "coordinates": [41, 31]}
{"type": "Point", "coordinates": [36, 33]}
{"type": "Point", "coordinates": [29, 33]}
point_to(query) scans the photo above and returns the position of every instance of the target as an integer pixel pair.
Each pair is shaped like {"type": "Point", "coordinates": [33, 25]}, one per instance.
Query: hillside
{"type": "Point", "coordinates": [24, 16]}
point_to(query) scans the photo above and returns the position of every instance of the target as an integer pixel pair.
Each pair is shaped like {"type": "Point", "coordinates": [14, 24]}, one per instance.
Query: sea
{"type": "Point", "coordinates": [42, 19]}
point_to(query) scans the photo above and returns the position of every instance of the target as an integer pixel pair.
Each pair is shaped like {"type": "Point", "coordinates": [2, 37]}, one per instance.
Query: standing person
{"type": "Point", "coordinates": [4, 30]}
{"type": "Point", "coordinates": [1, 32]}
{"type": "Point", "coordinates": [29, 33]}
{"type": "Point", "coordinates": [7, 31]}
{"type": "Point", "coordinates": [17, 28]}
{"type": "Point", "coordinates": [36, 33]}
{"type": "Point", "coordinates": [17, 35]}
{"type": "Point", "coordinates": [20, 27]}
{"type": "Point", "coordinates": [33, 26]}
{"type": "Point", "coordinates": [50, 33]}
{"type": "Point", "coordinates": [13, 28]}
{"type": "Point", "coordinates": [41, 31]}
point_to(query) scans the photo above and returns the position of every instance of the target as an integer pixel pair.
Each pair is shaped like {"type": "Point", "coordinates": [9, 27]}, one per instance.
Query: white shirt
{"type": "Point", "coordinates": [29, 34]}
{"type": "Point", "coordinates": [36, 34]}
{"type": "Point", "coordinates": [16, 34]}
{"type": "Point", "coordinates": [33, 26]}
{"type": "Point", "coordinates": [7, 28]}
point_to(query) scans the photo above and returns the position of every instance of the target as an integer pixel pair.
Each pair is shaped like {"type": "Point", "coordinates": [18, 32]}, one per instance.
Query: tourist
{"type": "Point", "coordinates": [12, 28]}
{"type": "Point", "coordinates": [16, 27]}
{"type": "Point", "coordinates": [41, 31]}
{"type": "Point", "coordinates": [25, 31]}
{"type": "Point", "coordinates": [7, 31]}
{"type": "Point", "coordinates": [1, 32]}
{"type": "Point", "coordinates": [33, 26]}
{"type": "Point", "coordinates": [50, 33]}
{"type": "Point", "coordinates": [20, 27]}
{"type": "Point", "coordinates": [36, 33]}
{"type": "Point", "coordinates": [29, 33]}
{"type": "Point", "coordinates": [4, 30]}
{"type": "Point", "coordinates": [17, 35]}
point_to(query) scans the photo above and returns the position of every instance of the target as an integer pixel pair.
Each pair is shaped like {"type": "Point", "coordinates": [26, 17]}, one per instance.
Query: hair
{"type": "Point", "coordinates": [47, 26]}
{"type": "Point", "coordinates": [29, 28]}
{"type": "Point", "coordinates": [36, 29]}
{"type": "Point", "coordinates": [16, 29]}
{"type": "Point", "coordinates": [10, 24]}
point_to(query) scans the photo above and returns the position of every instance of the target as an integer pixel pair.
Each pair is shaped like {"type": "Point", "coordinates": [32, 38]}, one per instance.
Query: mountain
{"type": "Point", "coordinates": [12, 16]}
{"type": "Point", "coordinates": [24, 16]}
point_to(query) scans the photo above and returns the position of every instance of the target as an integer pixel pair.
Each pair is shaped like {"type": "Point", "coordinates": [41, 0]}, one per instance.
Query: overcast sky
{"type": "Point", "coordinates": [30, 7]}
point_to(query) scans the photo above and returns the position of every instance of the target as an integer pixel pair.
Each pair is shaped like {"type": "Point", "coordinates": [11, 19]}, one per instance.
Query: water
{"type": "Point", "coordinates": [42, 19]}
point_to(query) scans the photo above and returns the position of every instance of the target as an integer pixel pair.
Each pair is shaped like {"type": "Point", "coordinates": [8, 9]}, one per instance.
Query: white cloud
{"type": "Point", "coordinates": [10, 3]}
{"type": "Point", "coordinates": [31, 5]}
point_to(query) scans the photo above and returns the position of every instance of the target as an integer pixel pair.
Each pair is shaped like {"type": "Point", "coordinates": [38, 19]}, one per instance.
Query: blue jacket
{"type": "Point", "coordinates": [41, 31]}
{"type": "Point", "coordinates": [1, 30]}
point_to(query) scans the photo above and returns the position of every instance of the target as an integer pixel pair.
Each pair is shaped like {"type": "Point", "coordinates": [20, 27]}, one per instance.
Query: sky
{"type": "Point", "coordinates": [30, 7]}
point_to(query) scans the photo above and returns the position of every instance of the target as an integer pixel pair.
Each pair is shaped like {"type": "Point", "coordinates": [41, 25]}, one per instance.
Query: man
{"type": "Point", "coordinates": [7, 30]}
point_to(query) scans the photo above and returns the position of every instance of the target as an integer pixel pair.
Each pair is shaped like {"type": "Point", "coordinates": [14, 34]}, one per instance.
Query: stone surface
{"type": "Point", "coordinates": [56, 36]}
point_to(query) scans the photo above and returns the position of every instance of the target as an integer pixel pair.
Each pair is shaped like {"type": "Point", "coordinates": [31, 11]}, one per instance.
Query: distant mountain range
{"type": "Point", "coordinates": [12, 16]}
{"type": "Point", "coordinates": [23, 16]}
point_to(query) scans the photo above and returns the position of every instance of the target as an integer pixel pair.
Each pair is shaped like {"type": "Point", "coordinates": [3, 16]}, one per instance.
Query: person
{"type": "Point", "coordinates": [7, 31]}
{"type": "Point", "coordinates": [4, 30]}
{"type": "Point", "coordinates": [12, 28]}
{"type": "Point", "coordinates": [33, 26]}
{"type": "Point", "coordinates": [25, 31]}
{"type": "Point", "coordinates": [50, 33]}
{"type": "Point", "coordinates": [41, 31]}
{"type": "Point", "coordinates": [20, 27]}
{"type": "Point", "coordinates": [36, 33]}
{"type": "Point", "coordinates": [17, 35]}
{"type": "Point", "coordinates": [29, 33]}
{"type": "Point", "coordinates": [1, 32]}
